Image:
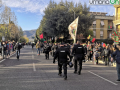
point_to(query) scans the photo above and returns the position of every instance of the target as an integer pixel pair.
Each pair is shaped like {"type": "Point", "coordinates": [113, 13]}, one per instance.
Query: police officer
{"type": "Point", "coordinates": [79, 52]}
{"type": "Point", "coordinates": [62, 54]}
{"type": "Point", "coordinates": [67, 46]}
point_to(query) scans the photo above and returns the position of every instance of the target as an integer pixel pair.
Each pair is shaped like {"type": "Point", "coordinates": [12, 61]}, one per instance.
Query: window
{"type": "Point", "coordinates": [94, 33]}
{"type": "Point", "coordinates": [101, 33]}
{"type": "Point", "coordinates": [94, 22]}
{"type": "Point", "coordinates": [102, 25]}
{"type": "Point", "coordinates": [94, 26]}
{"type": "Point", "coordinates": [110, 24]}
{"type": "Point", "coordinates": [110, 35]}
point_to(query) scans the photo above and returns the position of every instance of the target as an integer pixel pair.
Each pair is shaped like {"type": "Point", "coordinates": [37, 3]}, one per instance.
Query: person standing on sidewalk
{"type": "Point", "coordinates": [97, 56]}
{"type": "Point", "coordinates": [106, 56]}
{"type": "Point", "coordinates": [38, 45]}
{"type": "Point", "coordinates": [8, 49]}
{"type": "Point", "coordinates": [117, 53]}
{"type": "Point", "coordinates": [5, 49]}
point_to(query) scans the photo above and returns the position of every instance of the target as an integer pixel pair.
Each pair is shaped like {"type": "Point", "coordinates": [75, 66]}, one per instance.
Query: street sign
{"type": "Point", "coordinates": [3, 38]}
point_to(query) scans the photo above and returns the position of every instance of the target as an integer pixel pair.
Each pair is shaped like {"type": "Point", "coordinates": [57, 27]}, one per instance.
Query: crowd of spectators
{"type": "Point", "coordinates": [7, 48]}
{"type": "Point", "coordinates": [101, 52]}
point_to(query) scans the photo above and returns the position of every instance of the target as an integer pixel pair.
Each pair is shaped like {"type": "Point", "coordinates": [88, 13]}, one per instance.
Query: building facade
{"type": "Point", "coordinates": [103, 26]}
{"type": "Point", "coordinates": [117, 18]}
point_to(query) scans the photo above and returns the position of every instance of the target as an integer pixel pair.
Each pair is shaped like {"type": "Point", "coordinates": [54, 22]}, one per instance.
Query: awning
{"type": "Point", "coordinates": [102, 23]}
{"type": "Point", "coordinates": [94, 22]}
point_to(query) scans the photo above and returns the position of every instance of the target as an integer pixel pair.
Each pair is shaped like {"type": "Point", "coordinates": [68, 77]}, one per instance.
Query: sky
{"type": "Point", "coordinates": [29, 13]}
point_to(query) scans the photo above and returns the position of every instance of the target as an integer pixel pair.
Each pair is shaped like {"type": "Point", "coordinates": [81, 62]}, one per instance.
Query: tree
{"type": "Point", "coordinates": [8, 25]}
{"type": "Point", "coordinates": [23, 40]}
{"type": "Point", "coordinates": [59, 16]}
{"type": "Point", "coordinates": [26, 38]}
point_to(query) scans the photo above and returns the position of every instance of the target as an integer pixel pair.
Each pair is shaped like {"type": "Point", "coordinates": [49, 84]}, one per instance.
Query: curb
{"type": "Point", "coordinates": [1, 59]}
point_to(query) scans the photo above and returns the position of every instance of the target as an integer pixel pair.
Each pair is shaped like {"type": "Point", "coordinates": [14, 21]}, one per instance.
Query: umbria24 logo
{"type": "Point", "coordinates": [104, 2]}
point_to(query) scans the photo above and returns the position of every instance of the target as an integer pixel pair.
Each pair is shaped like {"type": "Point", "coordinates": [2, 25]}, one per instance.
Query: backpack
{"type": "Point", "coordinates": [9, 46]}
{"type": "Point", "coordinates": [106, 52]}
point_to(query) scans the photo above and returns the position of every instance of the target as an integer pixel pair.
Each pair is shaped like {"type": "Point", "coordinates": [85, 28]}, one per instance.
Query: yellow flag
{"type": "Point", "coordinates": [73, 29]}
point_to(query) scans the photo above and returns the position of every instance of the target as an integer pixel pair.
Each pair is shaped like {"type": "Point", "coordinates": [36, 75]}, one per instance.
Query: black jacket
{"type": "Point", "coordinates": [47, 49]}
{"type": "Point", "coordinates": [78, 50]}
{"type": "Point", "coordinates": [17, 46]}
{"type": "Point", "coordinates": [62, 54]}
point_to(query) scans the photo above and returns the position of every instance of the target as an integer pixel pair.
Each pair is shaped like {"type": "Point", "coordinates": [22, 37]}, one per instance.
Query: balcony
{"type": "Point", "coordinates": [110, 27]}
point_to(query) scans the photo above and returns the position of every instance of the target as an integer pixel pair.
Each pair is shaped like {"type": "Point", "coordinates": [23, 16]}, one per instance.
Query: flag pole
{"type": "Point", "coordinates": [76, 32]}
{"type": "Point", "coordinates": [74, 40]}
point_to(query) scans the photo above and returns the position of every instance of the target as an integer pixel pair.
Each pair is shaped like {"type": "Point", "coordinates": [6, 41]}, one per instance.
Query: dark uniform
{"type": "Point", "coordinates": [79, 52]}
{"type": "Point", "coordinates": [62, 54]}
{"type": "Point", "coordinates": [67, 47]}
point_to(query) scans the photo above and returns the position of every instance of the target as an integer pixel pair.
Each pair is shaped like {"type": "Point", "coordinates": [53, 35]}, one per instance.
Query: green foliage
{"type": "Point", "coordinates": [89, 32]}
{"type": "Point", "coordinates": [11, 31]}
{"type": "Point", "coordinates": [59, 16]}
{"type": "Point", "coordinates": [22, 40]}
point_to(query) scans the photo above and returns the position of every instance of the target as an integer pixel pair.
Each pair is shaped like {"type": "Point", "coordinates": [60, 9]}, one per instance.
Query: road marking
{"type": "Point", "coordinates": [2, 60]}
{"type": "Point", "coordinates": [13, 54]}
{"type": "Point", "coordinates": [9, 57]}
{"type": "Point", "coordinates": [34, 69]}
{"type": "Point", "coordinates": [102, 78]}
{"type": "Point", "coordinates": [33, 57]}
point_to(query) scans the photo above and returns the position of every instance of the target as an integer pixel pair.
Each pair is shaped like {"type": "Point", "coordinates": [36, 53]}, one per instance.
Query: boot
{"type": "Point", "coordinates": [79, 73]}
{"type": "Point", "coordinates": [65, 77]}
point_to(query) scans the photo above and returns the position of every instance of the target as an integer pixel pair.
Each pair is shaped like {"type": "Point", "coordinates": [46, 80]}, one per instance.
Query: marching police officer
{"type": "Point", "coordinates": [78, 52]}
{"type": "Point", "coordinates": [62, 54]}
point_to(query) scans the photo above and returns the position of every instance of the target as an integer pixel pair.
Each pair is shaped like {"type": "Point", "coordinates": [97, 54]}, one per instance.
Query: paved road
{"type": "Point", "coordinates": [33, 72]}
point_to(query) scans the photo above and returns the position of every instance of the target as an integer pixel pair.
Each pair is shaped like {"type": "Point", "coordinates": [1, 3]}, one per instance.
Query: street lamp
{"type": "Point", "coordinates": [70, 8]}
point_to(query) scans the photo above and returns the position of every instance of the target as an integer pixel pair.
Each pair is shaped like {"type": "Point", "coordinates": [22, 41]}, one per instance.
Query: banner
{"type": "Point", "coordinates": [41, 36]}
{"type": "Point", "coordinates": [73, 29]}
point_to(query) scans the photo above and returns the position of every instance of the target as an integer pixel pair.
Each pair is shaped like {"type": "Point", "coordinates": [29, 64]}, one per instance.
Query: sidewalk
{"type": "Point", "coordinates": [101, 62]}
{"type": "Point", "coordinates": [1, 57]}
